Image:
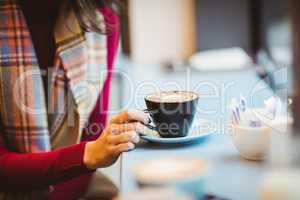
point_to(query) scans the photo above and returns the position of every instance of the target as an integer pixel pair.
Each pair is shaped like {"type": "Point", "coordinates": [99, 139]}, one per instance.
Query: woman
{"type": "Point", "coordinates": [56, 58]}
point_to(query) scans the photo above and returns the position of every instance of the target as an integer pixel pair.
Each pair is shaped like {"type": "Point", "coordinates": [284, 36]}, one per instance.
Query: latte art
{"type": "Point", "coordinates": [172, 97]}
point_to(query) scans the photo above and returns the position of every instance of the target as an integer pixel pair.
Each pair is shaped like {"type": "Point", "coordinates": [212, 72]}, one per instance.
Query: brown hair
{"type": "Point", "coordinates": [86, 12]}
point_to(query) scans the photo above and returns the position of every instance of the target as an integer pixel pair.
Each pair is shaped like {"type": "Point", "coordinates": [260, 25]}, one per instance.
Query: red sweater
{"type": "Point", "coordinates": [33, 170]}
{"type": "Point", "coordinates": [63, 167]}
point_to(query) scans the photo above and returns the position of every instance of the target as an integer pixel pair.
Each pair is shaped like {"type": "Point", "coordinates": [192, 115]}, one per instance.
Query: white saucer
{"type": "Point", "coordinates": [200, 130]}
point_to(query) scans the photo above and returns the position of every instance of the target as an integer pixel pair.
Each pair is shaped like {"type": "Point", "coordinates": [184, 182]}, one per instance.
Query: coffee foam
{"type": "Point", "coordinates": [160, 171]}
{"type": "Point", "coordinates": [172, 97]}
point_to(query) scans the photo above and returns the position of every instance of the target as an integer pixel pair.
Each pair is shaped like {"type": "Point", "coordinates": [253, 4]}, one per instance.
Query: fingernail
{"type": "Point", "coordinates": [139, 128]}
{"type": "Point", "coordinates": [133, 135]}
{"type": "Point", "coordinates": [131, 146]}
{"type": "Point", "coordinates": [136, 139]}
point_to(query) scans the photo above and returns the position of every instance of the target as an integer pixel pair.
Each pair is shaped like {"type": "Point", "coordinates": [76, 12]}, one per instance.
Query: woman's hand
{"type": "Point", "coordinates": [119, 136]}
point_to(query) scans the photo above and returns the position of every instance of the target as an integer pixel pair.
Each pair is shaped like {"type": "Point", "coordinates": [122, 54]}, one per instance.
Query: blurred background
{"type": "Point", "coordinates": [164, 37]}
{"type": "Point", "coordinates": [195, 45]}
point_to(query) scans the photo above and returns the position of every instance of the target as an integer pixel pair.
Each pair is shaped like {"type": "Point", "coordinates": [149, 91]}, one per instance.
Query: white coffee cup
{"type": "Point", "coordinates": [253, 143]}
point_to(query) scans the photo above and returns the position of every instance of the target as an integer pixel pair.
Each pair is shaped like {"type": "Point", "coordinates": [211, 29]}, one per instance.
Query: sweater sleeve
{"type": "Point", "coordinates": [35, 170]}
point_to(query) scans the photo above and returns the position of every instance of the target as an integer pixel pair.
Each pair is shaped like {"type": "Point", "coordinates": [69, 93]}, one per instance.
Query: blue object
{"type": "Point", "coordinates": [243, 104]}
{"type": "Point", "coordinates": [178, 140]}
{"type": "Point", "coordinates": [235, 116]}
{"type": "Point", "coordinates": [198, 132]}
{"type": "Point", "coordinates": [238, 113]}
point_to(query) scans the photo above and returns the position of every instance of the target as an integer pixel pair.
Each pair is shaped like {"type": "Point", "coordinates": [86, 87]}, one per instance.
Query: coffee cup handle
{"type": "Point", "coordinates": [147, 111]}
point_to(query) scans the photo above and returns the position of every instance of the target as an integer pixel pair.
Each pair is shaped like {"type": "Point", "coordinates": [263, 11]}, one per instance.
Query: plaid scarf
{"type": "Point", "coordinates": [80, 70]}
{"type": "Point", "coordinates": [80, 65]}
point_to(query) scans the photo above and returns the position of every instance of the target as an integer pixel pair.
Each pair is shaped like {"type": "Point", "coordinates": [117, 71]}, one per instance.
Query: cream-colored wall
{"type": "Point", "coordinates": [161, 30]}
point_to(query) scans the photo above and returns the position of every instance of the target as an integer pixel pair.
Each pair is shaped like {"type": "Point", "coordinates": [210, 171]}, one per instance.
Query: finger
{"type": "Point", "coordinates": [125, 147]}
{"type": "Point", "coordinates": [144, 130]}
{"type": "Point", "coordinates": [138, 115]}
{"type": "Point", "coordinates": [125, 137]}
{"type": "Point", "coordinates": [136, 139]}
{"type": "Point", "coordinates": [120, 128]}
{"type": "Point", "coordinates": [130, 115]}
{"type": "Point", "coordinates": [119, 118]}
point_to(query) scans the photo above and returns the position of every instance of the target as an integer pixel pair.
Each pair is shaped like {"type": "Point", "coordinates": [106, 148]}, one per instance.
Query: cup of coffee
{"type": "Point", "coordinates": [172, 112]}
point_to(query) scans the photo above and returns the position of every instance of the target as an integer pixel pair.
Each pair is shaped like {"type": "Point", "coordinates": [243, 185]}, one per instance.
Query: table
{"type": "Point", "coordinates": [229, 175]}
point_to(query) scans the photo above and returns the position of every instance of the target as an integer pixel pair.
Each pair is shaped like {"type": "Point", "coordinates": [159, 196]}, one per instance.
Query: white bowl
{"type": "Point", "coordinates": [185, 174]}
{"type": "Point", "coordinates": [253, 143]}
